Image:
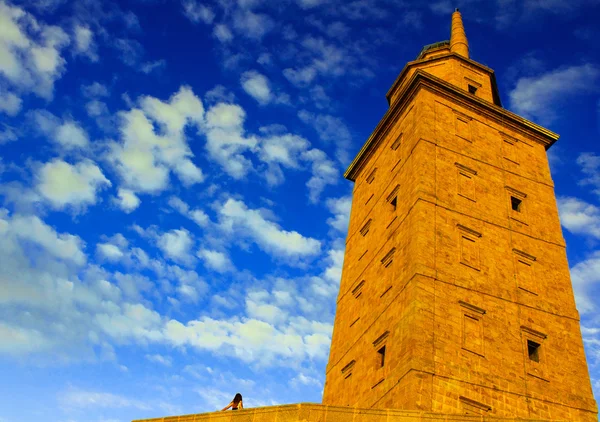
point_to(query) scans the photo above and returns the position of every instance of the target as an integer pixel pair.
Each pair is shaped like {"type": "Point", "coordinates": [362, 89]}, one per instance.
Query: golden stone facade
{"type": "Point", "coordinates": [455, 295]}
{"type": "Point", "coordinates": [455, 302]}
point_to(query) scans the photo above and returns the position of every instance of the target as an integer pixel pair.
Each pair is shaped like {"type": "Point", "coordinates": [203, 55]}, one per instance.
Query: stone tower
{"type": "Point", "coordinates": [455, 294]}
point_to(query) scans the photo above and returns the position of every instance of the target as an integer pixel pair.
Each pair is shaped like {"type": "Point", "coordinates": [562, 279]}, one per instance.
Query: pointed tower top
{"type": "Point", "coordinates": [458, 38]}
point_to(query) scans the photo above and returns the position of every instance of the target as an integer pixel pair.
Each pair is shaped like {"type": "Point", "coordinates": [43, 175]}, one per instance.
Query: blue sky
{"type": "Point", "coordinates": [173, 210]}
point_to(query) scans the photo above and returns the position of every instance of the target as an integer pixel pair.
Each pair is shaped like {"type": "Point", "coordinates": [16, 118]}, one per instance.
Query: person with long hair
{"type": "Point", "coordinates": [236, 403]}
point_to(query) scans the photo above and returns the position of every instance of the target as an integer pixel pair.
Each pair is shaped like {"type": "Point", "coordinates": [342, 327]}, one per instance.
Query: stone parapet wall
{"type": "Point", "coordinates": [311, 412]}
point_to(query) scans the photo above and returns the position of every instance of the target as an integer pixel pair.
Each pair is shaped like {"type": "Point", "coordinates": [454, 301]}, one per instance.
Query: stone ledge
{"type": "Point", "coordinates": [314, 412]}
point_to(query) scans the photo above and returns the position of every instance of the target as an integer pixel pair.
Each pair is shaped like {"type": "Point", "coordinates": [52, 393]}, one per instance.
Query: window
{"type": "Point", "coordinates": [515, 203]}
{"type": "Point", "coordinates": [388, 258]}
{"type": "Point", "coordinates": [347, 370]}
{"type": "Point", "coordinates": [533, 349]}
{"type": "Point", "coordinates": [365, 228]}
{"type": "Point", "coordinates": [466, 182]}
{"type": "Point", "coordinates": [357, 291]}
{"type": "Point", "coordinates": [472, 407]}
{"type": "Point", "coordinates": [392, 198]}
{"type": "Point", "coordinates": [469, 247]}
{"type": "Point", "coordinates": [381, 356]}
{"type": "Point", "coordinates": [472, 327]}
{"type": "Point", "coordinates": [371, 176]}
{"type": "Point", "coordinates": [524, 271]}
{"type": "Point", "coordinates": [509, 149]}
{"type": "Point", "coordinates": [397, 142]}
{"type": "Point", "coordinates": [534, 353]}
{"type": "Point", "coordinates": [379, 345]}
{"type": "Point", "coordinates": [463, 126]}
{"type": "Point", "coordinates": [518, 208]}
{"type": "Point", "coordinates": [472, 89]}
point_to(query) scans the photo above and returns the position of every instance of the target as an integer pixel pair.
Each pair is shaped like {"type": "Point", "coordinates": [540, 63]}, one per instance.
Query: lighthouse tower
{"type": "Point", "coordinates": [455, 294]}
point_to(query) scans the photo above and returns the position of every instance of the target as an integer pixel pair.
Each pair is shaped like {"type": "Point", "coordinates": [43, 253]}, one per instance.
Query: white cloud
{"type": "Point", "coordinates": [226, 143]}
{"type": "Point", "coordinates": [309, 4]}
{"type": "Point", "coordinates": [149, 67]}
{"type": "Point", "coordinates": [252, 25]}
{"type": "Point", "coordinates": [251, 340]}
{"type": "Point", "coordinates": [84, 42]}
{"type": "Point", "coordinates": [176, 245]}
{"type": "Point", "coordinates": [235, 215]}
{"type": "Point", "coordinates": [319, 97]}
{"type": "Point", "coordinates": [95, 89]}
{"type": "Point", "coordinates": [127, 200]}
{"type": "Point", "coordinates": [197, 12]}
{"type": "Point", "coordinates": [68, 134]}
{"type": "Point", "coordinates": [71, 308]}
{"type": "Point", "coordinates": [215, 260]}
{"type": "Point", "coordinates": [257, 306]}
{"type": "Point", "coordinates": [281, 150]}
{"type": "Point", "coordinates": [579, 217]}
{"type": "Point", "coordinates": [300, 77]}
{"type": "Point", "coordinates": [163, 360]}
{"type": "Point", "coordinates": [590, 166]}
{"type": "Point", "coordinates": [219, 94]}
{"type": "Point", "coordinates": [9, 103]}
{"type": "Point", "coordinates": [333, 273]}
{"type": "Point", "coordinates": [30, 51]}
{"type": "Point", "coordinates": [540, 97]}
{"type": "Point", "coordinates": [257, 86]}
{"type": "Point", "coordinates": [95, 108]}
{"type": "Point", "coordinates": [222, 33]}
{"type": "Point", "coordinates": [305, 380]}
{"type": "Point", "coordinates": [324, 173]}
{"type": "Point", "coordinates": [109, 251]}
{"type": "Point", "coordinates": [324, 59]}
{"type": "Point", "coordinates": [130, 51]}
{"type": "Point", "coordinates": [8, 134]}
{"type": "Point", "coordinates": [63, 184]}
{"type": "Point", "coordinates": [197, 215]}
{"type": "Point", "coordinates": [340, 208]}
{"type": "Point", "coordinates": [586, 277]}
{"type": "Point", "coordinates": [145, 156]}
{"type": "Point", "coordinates": [75, 398]}
{"type": "Point", "coordinates": [21, 341]}
{"type": "Point", "coordinates": [32, 229]}
{"type": "Point", "coordinates": [332, 130]}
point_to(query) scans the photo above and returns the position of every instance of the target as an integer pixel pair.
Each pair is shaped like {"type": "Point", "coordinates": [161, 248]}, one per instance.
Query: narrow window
{"type": "Point", "coordinates": [533, 349]}
{"type": "Point", "coordinates": [515, 203]}
{"type": "Point", "coordinates": [397, 142]}
{"type": "Point", "coordinates": [469, 247]}
{"type": "Point", "coordinates": [357, 291]}
{"type": "Point", "coordinates": [365, 228]}
{"type": "Point", "coordinates": [392, 198]}
{"type": "Point", "coordinates": [388, 258]}
{"type": "Point", "coordinates": [347, 370]}
{"type": "Point", "coordinates": [472, 89]}
{"type": "Point", "coordinates": [381, 356]}
{"type": "Point", "coordinates": [463, 127]}
{"type": "Point", "coordinates": [371, 176]}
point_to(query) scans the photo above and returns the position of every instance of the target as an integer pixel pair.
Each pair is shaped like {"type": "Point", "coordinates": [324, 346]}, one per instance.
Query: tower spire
{"type": "Point", "coordinates": [458, 38]}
